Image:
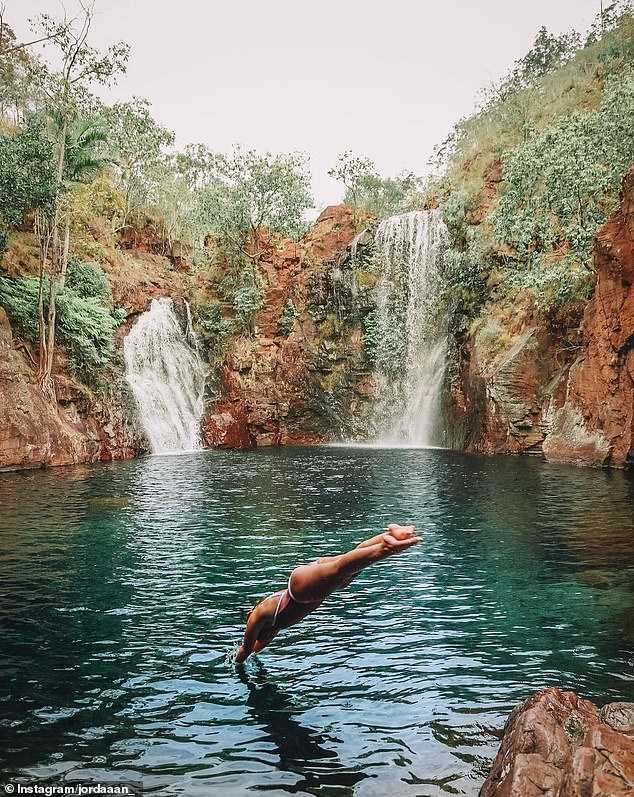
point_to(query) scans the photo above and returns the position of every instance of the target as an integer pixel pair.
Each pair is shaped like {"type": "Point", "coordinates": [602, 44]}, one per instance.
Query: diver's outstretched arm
{"type": "Point", "coordinates": [399, 532]}
{"type": "Point", "coordinates": [254, 625]}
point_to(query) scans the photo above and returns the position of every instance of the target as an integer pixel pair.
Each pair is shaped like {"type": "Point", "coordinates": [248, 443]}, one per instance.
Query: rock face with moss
{"type": "Point", "coordinates": [595, 423]}
{"type": "Point", "coordinates": [303, 376]}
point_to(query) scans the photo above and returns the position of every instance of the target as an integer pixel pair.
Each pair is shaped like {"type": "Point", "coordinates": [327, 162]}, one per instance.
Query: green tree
{"type": "Point", "coordinates": [87, 148]}
{"type": "Point", "coordinates": [386, 196]}
{"type": "Point", "coordinates": [86, 156]}
{"type": "Point", "coordinates": [14, 85]}
{"type": "Point", "coordinates": [246, 193]}
{"type": "Point", "coordinates": [66, 89]}
{"type": "Point", "coordinates": [548, 53]}
{"type": "Point", "coordinates": [139, 145]}
{"type": "Point", "coordinates": [19, 94]}
{"type": "Point", "coordinates": [561, 185]}
{"type": "Point", "coordinates": [27, 176]}
{"type": "Point", "coordinates": [609, 18]}
{"type": "Point", "coordinates": [354, 172]}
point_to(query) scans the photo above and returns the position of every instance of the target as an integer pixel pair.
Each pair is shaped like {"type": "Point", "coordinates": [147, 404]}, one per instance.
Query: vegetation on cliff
{"type": "Point", "coordinates": [80, 176]}
{"type": "Point", "coordinates": [526, 181]}
{"type": "Point", "coordinates": [523, 184]}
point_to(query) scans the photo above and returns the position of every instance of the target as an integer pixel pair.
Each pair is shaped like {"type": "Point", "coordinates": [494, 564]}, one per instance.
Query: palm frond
{"type": "Point", "coordinates": [83, 167]}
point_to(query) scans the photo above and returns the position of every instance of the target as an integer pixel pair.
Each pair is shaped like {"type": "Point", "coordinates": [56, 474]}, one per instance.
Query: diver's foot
{"type": "Point", "coordinates": [400, 532]}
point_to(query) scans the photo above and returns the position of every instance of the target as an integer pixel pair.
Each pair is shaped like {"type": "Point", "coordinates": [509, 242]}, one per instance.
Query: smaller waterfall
{"type": "Point", "coordinates": [412, 344]}
{"type": "Point", "coordinates": [167, 377]}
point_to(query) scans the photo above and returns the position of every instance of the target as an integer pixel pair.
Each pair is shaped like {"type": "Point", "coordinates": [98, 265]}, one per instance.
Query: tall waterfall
{"type": "Point", "coordinates": [167, 377]}
{"type": "Point", "coordinates": [412, 346]}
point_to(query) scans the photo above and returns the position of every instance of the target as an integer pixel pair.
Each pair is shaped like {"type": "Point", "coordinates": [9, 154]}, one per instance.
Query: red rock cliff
{"type": "Point", "coordinates": [595, 424]}
{"type": "Point", "coordinates": [278, 389]}
{"type": "Point", "coordinates": [520, 390]}
{"type": "Point", "coordinates": [36, 432]}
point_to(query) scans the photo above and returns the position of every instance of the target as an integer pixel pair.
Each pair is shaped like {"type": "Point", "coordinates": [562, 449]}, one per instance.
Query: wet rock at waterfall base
{"type": "Point", "coordinates": [559, 745]}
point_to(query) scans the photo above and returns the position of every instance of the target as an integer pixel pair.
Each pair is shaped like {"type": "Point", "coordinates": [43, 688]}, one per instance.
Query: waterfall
{"type": "Point", "coordinates": [167, 377]}
{"type": "Point", "coordinates": [411, 349]}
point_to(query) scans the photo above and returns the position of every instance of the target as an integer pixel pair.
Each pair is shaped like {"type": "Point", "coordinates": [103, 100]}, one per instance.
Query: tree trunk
{"type": "Point", "coordinates": [42, 233]}
{"type": "Point", "coordinates": [46, 381]}
{"type": "Point", "coordinates": [47, 384]}
{"type": "Point", "coordinates": [64, 263]}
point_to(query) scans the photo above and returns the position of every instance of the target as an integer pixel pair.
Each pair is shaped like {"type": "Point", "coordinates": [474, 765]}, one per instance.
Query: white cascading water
{"type": "Point", "coordinates": [167, 377]}
{"type": "Point", "coordinates": [412, 350]}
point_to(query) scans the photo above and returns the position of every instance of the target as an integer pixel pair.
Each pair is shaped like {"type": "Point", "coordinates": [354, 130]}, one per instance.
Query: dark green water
{"type": "Point", "coordinates": [125, 588]}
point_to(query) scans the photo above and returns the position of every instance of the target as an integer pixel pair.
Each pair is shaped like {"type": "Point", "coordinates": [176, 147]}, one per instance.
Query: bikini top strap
{"type": "Point", "coordinates": [290, 591]}
{"type": "Point", "coordinates": [277, 608]}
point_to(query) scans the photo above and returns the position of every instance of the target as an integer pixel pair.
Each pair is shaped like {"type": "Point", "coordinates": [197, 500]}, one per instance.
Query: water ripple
{"type": "Point", "coordinates": [125, 587]}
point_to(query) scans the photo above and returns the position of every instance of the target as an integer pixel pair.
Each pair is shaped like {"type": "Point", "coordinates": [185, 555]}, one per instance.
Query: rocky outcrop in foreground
{"type": "Point", "coordinates": [558, 745]}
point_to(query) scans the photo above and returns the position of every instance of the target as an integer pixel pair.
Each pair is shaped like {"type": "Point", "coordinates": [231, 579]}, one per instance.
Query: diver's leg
{"type": "Point", "coordinates": [316, 581]}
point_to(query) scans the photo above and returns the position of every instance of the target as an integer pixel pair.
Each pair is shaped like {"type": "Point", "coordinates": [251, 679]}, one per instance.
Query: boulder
{"type": "Point", "coordinates": [558, 745]}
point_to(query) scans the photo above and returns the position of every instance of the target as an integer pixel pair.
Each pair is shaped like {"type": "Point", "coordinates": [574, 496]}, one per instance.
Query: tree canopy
{"type": "Point", "coordinates": [247, 191]}
{"type": "Point", "coordinates": [27, 175]}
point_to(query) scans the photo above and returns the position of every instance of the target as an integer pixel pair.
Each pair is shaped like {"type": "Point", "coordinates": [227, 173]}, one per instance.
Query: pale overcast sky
{"type": "Point", "coordinates": [384, 78]}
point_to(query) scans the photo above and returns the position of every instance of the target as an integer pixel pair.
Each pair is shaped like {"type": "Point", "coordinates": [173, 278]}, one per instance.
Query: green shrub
{"type": "Point", "coordinates": [371, 335]}
{"type": "Point", "coordinates": [248, 297]}
{"type": "Point", "coordinates": [287, 317]}
{"type": "Point", "coordinates": [560, 285]}
{"type": "Point", "coordinates": [85, 327]}
{"type": "Point", "coordinates": [560, 186]}
{"type": "Point", "coordinates": [455, 208]}
{"type": "Point", "coordinates": [88, 281]}
{"type": "Point", "coordinates": [86, 330]}
{"type": "Point", "coordinates": [212, 329]}
{"type": "Point", "coordinates": [19, 299]}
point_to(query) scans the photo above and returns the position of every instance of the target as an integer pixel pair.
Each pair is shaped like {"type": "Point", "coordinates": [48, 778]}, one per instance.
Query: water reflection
{"type": "Point", "coordinates": [300, 749]}
{"type": "Point", "coordinates": [125, 587]}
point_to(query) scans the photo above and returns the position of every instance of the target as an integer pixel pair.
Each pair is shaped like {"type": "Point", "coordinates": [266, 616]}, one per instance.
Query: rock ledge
{"type": "Point", "coordinates": [559, 745]}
